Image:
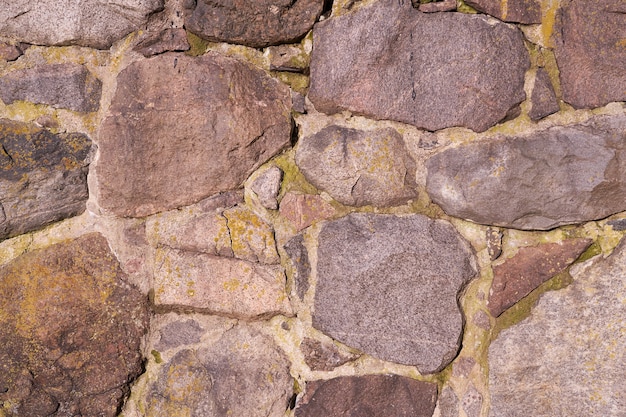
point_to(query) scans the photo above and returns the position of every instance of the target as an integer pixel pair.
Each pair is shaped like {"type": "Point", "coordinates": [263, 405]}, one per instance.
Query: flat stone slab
{"type": "Point", "coordinates": [368, 395]}
{"type": "Point", "coordinates": [70, 331]}
{"type": "Point", "coordinates": [560, 175]}
{"type": "Point", "coordinates": [183, 128]}
{"type": "Point", "coordinates": [567, 358]}
{"type": "Point", "coordinates": [303, 210]}
{"type": "Point", "coordinates": [520, 11]}
{"type": "Point", "coordinates": [358, 167]}
{"type": "Point", "coordinates": [431, 70]}
{"type": "Point", "coordinates": [253, 23]}
{"type": "Point", "coordinates": [92, 23]}
{"type": "Point", "coordinates": [43, 176]}
{"type": "Point", "coordinates": [589, 50]}
{"type": "Point", "coordinates": [388, 286]}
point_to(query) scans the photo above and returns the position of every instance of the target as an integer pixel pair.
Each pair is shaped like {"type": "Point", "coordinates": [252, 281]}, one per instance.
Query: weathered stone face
{"type": "Point", "coordinates": [589, 49]}
{"type": "Point", "coordinates": [543, 97]}
{"type": "Point", "coordinates": [233, 117]}
{"type": "Point", "coordinates": [388, 286]}
{"type": "Point", "coordinates": [70, 331]}
{"type": "Point", "coordinates": [557, 176]}
{"type": "Point", "coordinates": [253, 23]}
{"type": "Point", "coordinates": [437, 70]}
{"type": "Point", "coordinates": [567, 358]}
{"type": "Point", "coordinates": [369, 395]}
{"type": "Point", "coordinates": [323, 356]}
{"type": "Point", "coordinates": [302, 210]}
{"type": "Point", "coordinates": [522, 11]}
{"type": "Point", "coordinates": [358, 167]}
{"type": "Point", "coordinates": [43, 176]}
{"type": "Point", "coordinates": [92, 23]}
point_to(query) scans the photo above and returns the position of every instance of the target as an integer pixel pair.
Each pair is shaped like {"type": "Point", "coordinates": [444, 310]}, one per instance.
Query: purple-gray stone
{"type": "Point", "coordinates": [543, 98]}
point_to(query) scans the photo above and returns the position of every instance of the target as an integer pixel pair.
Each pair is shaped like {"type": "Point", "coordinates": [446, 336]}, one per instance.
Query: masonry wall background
{"type": "Point", "coordinates": [310, 208]}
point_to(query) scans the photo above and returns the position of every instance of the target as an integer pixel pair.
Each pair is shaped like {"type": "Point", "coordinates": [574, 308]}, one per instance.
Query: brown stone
{"type": "Point", "coordinates": [183, 128]}
{"type": "Point", "coordinates": [323, 356]}
{"type": "Point", "coordinates": [253, 23]}
{"type": "Point", "coordinates": [299, 258]}
{"type": "Point", "coordinates": [70, 331]}
{"type": "Point", "coordinates": [290, 58]}
{"type": "Point", "coordinates": [170, 39]}
{"type": "Point", "coordinates": [520, 11]}
{"type": "Point", "coordinates": [10, 52]}
{"type": "Point", "coordinates": [302, 210]}
{"type": "Point", "coordinates": [368, 395]}
{"type": "Point", "coordinates": [531, 266]}
{"type": "Point", "coordinates": [438, 6]}
{"type": "Point", "coordinates": [252, 239]}
{"type": "Point", "coordinates": [590, 49]}
{"type": "Point", "coordinates": [543, 97]}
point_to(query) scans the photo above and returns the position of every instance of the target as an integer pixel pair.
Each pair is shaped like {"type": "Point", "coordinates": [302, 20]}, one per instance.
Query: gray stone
{"type": "Point", "coordinates": [368, 395]}
{"type": "Point", "coordinates": [43, 176]}
{"type": "Point", "coordinates": [618, 224]}
{"type": "Point", "coordinates": [472, 402]}
{"type": "Point", "coordinates": [323, 356]}
{"type": "Point", "coordinates": [183, 128]}
{"type": "Point", "coordinates": [170, 39]}
{"type": "Point", "coordinates": [589, 50]}
{"type": "Point", "coordinates": [241, 373]}
{"type": "Point", "coordinates": [388, 285]}
{"type": "Point", "coordinates": [560, 175]}
{"type": "Point", "coordinates": [521, 11]}
{"type": "Point", "coordinates": [436, 70]}
{"type": "Point", "coordinates": [253, 23]}
{"type": "Point", "coordinates": [67, 86]}
{"type": "Point", "coordinates": [177, 333]}
{"type": "Point", "coordinates": [448, 404]}
{"type": "Point", "coordinates": [299, 258]}
{"type": "Point", "coordinates": [567, 358]}
{"type": "Point", "coordinates": [358, 167]}
{"type": "Point", "coordinates": [92, 23]}
{"type": "Point", "coordinates": [543, 97]}
{"type": "Point", "coordinates": [267, 185]}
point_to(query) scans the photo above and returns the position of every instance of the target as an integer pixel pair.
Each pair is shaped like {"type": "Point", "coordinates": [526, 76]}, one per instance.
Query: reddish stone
{"type": "Point", "coordinates": [438, 6]}
{"type": "Point", "coordinates": [302, 210]}
{"type": "Point", "coordinates": [520, 11]}
{"type": "Point", "coordinates": [170, 39]}
{"type": "Point", "coordinates": [543, 97]}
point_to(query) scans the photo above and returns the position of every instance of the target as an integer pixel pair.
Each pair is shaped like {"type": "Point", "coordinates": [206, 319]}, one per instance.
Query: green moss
{"type": "Point", "coordinates": [298, 82]}
{"type": "Point", "coordinates": [157, 356]}
{"type": "Point", "coordinates": [464, 8]}
{"type": "Point", "coordinates": [593, 250]}
{"type": "Point", "coordinates": [198, 46]}
{"type": "Point", "coordinates": [293, 179]}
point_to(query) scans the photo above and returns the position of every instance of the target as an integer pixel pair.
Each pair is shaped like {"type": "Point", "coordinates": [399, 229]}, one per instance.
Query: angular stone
{"type": "Point", "coordinates": [67, 86]}
{"type": "Point", "coordinates": [389, 61]}
{"type": "Point", "coordinates": [527, 12]}
{"type": "Point", "coordinates": [267, 185]}
{"type": "Point", "coordinates": [70, 331]}
{"type": "Point", "coordinates": [290, 58]}
{"type": "Point", "coordinates": [560, 175]}
{"type": "Point", "coordinates": [253, 23]}
{"type": "Point", "coordinates": [252, 239]}
{"type": "Point", "coordinates": [226, 286]}
{"type": "Point", "coordinates": [589, 48]}
{"type": "Point", "coordinates": [10, 52]}
{"type": "Point", "coordinates": [241, 373]}
{"type": "Point", "coordinates": [171, 114]}
{"type": "Point", "coordinates": [543, 97]}
{"type": "Point", "coordinates": [448, 404]}
{"type": "Point", "coordinates": [177, 333]}
{"type": "Point", "coordinates": [299, 258]}
{"type": "Point", "coordinates": [92, 23]}
{"type": "Point", "coordinates": [302, 210]}
{"type": "Point", "coordinates": [530, 267]}
{"type": "Point", "coordinates": [323, 356]}
{"type": "Point", "coordinates": [567, 358]}
{"type": "Point", "coordinates": [369, 395]}
{"type": "Point", "coordinates": [170, 39]}
{"type": "Point", "coordinates": [43, 176]}
{"type": "Point", "coordinates": [388, 285]}
{"type": "Point", "coordinates": [358, 167]}
{"type": "Point", "coordinates": [438, 6]}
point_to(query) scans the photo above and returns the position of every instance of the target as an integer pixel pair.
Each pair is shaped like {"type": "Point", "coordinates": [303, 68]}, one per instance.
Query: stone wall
{"type": "Point", "coordinates": [312, 208]}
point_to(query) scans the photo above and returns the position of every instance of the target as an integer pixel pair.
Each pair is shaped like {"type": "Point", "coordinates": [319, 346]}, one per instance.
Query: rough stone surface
{"type": "Point", "coordinates": [267, 185]}
{"type": "Point", "coordinates": [68, 86]}
{"type": "Point", "coordinates": [543, 97]}
{"type": "Point", "coordinates": [589, 50]}
{"type": "Point", "coordinates": [235, 118]}
{"type": "Point", "coordinates": [302, 210]}
{"type": "Point", "coordinates": [531, 266]}
{"type": "Point", "coordinates": [170, 39]}
{"type": "Point", "coordinates": [226, 286]}
{"type": "Point", "coordinates": [70, 331]}
{"type": "Point", "coordinates": [369, 395]}
{"type": "Point", "coordinates": [252, 239]}
{"type": "Point", "coordinates": [92, 23]}
{"type": "Point", "coordinates": [388, 286]}
{"type": "Point", "coordinates": [521, 11]}
{"type": "Point", "coordinates": [10, 52]}
{"type": "Point", "coordinates": [358, 167]}
{"type": "Point", "coordinates": [241, 373]}
{"type": "Point", "coordinates": [43, 176]}
{"type": "Point", "coordinates": [438, 6]}
{"type": "Point", "coordinates": [290, 58]}
{"type": "Point", "coordinates": [299, 258]}
{"type": "Point", "coordinates": [448, 404]}
{"type": "Point", "coordinates": [256, 24]}
{"type": "Point", "coordinates": [389, 61]}
{"type": "Point", "coordinates": [568, 357]}
{"type": "Point", "coordinates": [178, 333]}
{"type": "Point", "coordinates": [618, 224]}
{"type": "Point", "coordinates": [560, 175]}
{"type": "Point", "coordinates": [323, 356]}
{"type": "Point", "coordinates": [472, 402]}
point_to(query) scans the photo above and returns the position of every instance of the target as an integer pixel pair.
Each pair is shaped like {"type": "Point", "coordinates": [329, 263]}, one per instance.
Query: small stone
{"type": "Point", "coordinates": [494, 243]}
{"type": "Point", "coordinates": [472, 402]}
{"type": "Point", "coordinates": [358, 167]}
{"type": "Point", "coordinates": [289, 58]}
{"type": "Point", "coordinates": [302, 210]}
{"type": "Point", "coordinates": [481, 319]}
{"type": "Point", "coordinates": [10, 52]}
{"type": "Point", "coordinates": [448, 404]}
{"type": "Point", "coordinates": [388, 286]}
{"type": "Point", "coordinates": [299, 258]}
{"type": "Point", "coordinates": [252, 239]}
{"type": "Point", "coordinates": [298, 102]}
{"type": "Point", "coordinates": [177, 333]}
{"type": "Point", "coordinates": [530, 267]}
{"type": "Point", "coordinates": [253, 23]}
{"type": "Point", "coordinates": [371, 395]}
{"type": "Point", "coordinates": [438, 6]}
{"type": "Point", "coordinates": [170, 39]}
{"type": "Point", "coordinates": [617, 225]}
{"type": "Point", "coordinates": [463, 367]}
{"type": "Point", "coordinates": [543, 97]}
{"type": "Point", "coordinates": [323, 356]}
{"type": "Point", "coordinates": [67, 86]}
{"type": "Point", "coordinates": [46, 121]}
{"type": "Point", "coordinates": [527, 12]}
{"type": "Point", "coordinates": [267, 185]}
